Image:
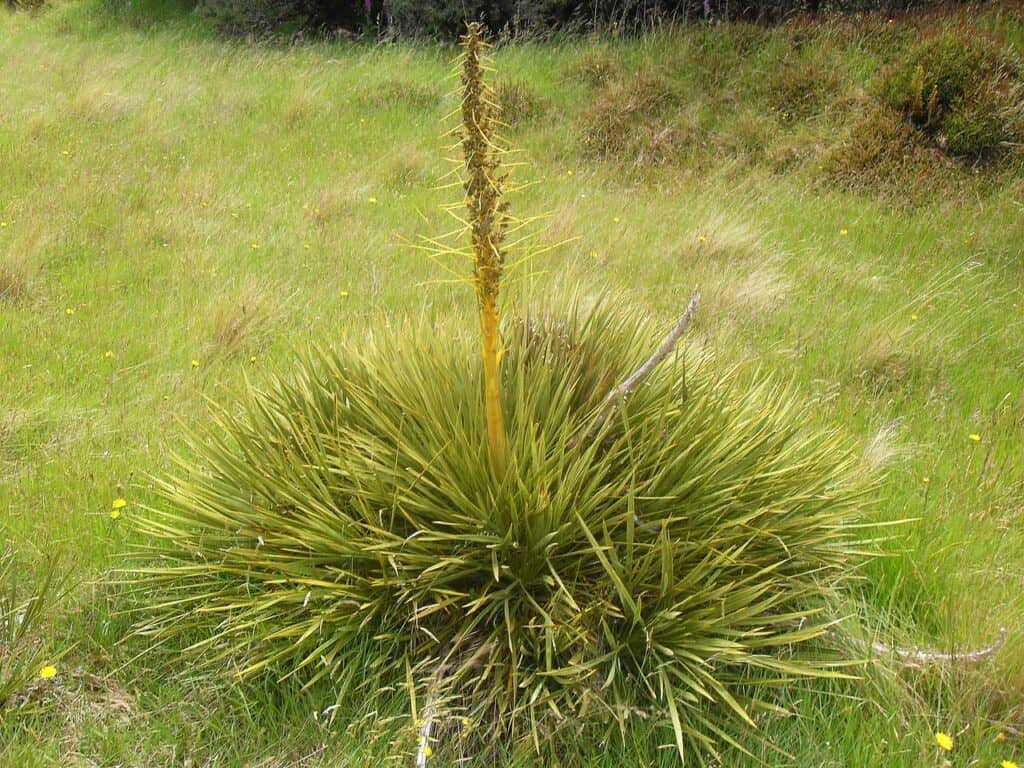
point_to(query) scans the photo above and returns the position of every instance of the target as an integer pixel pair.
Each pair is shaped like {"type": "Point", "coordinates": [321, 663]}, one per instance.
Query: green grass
{"type": "Point", "coordinates": [197, 200]}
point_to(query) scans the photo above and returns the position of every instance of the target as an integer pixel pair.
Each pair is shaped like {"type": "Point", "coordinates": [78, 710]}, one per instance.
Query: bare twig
{"type": "Point", "coordinates": [913, 657]}
{"type": "Point", "coordinates": [622, 392]}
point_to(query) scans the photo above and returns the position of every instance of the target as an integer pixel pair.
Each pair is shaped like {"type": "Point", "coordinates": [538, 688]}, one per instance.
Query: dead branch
{"type": "Point", "coordinates": [622, 392]}
{"type": "Point", "coordinates": [912, 657]}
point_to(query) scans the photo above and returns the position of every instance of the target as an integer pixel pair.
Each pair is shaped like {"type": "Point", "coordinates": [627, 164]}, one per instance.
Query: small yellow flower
{"type": "Point", "coordinates": [913, 317]}
{"type": "Point", "coordinates": [926, 479]}
{"type": "Point", "coordinates": [108, 354]}
{"type": "Point", "coordinates": [119, 504]}
{"type": "Point", "coordinates": [974, 437]}
{"type": "Point", "coordinates": [569, 172]}
{"type": "Point", "coordinates": [3, 224]}
{"type": "Point", "coordinates": [944, 741]}
{"type": "Point", "coordinates": [465, 722]}
{"type": "Point", "coordinates": [701, 239]}
{"type": "Point", "coordinates": [234, 215]}
{"type": "Point", "coordinates": [114, 514]}
{"type": "Point", "coordinates": [65, 153]}
{"type": "Point", "coordinates": [615, 219]}
{"type": "Point", "coordinates": [195, 363]}
{"type": "Point", "coordinates": [47, 672]}
{"type": "Point", "coordinates": [307, 246]}
{"type": "Point", "coordinates": [252, 359]}
{"type": "Point", "coordinates": [371, 200]}
{"type": "Point", "coordinates": [593, 254]}
{"type": "Point", "coordinates": [1007, 764]}
{"type": "Point", "coordinates": [844, 232]}
{"type": "Point", "coordinates": [69, 311]}
{"type": "Point", "coordinates": [255, 246]}
{"type": "Point", "coordinates": [344, 294]}
{"type": "Point", "coordinates": [427, 751]}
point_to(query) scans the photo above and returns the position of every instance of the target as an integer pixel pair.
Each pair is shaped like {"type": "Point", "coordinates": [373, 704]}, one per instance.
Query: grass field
{"type": "Point", "coordinates": [179, 213]}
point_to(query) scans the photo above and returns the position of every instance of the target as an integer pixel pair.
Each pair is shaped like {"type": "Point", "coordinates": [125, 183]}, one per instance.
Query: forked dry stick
{"type": "Point", "coordinates": [622, 392]}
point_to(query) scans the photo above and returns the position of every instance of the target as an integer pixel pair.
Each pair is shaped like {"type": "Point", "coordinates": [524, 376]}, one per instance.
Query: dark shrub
{"type": "Point", "coordinates": [801, 88]}
{"type": "Point", "coordinates": [634, 119]}
{"type": "Point", "coordinates": [446, 18]}
{"type": "Point", "coordinates": [883, 152]}
{"type": "Point", "coordinates": [960, 88]}
{"type": "Point", "coordinates": [518, 101]}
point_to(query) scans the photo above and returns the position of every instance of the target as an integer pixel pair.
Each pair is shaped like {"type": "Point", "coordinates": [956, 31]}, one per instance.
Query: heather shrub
{"type": "Point", "coordinates": [882, 152]}
{"type": "Point", "coordinates": [960, 89]}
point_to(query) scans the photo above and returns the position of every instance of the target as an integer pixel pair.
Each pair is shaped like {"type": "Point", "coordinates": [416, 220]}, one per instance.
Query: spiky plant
{"type": "Point", "coordinates": [654, 545]}
{"type": "Point", "coordinates": [24, 645]}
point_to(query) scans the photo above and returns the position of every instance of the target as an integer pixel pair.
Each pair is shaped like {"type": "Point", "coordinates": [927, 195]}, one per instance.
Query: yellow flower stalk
{"type": "Point", "coordinates": [488, 223]}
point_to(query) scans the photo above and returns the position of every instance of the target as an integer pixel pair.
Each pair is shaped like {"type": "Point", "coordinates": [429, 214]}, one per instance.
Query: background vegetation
{"type": "Point", "coordinates": [179, 213]}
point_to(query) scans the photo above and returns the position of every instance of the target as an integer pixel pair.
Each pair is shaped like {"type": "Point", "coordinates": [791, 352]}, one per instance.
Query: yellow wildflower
{"type": "Point", "coordinates": [427, 751]}
{"type": "Point", "coordinates": [913, 317]}
{"type": "Point", "coordinates": [344, 294]}
{"type": "Point", "coordinates": [944, 741]}
{"type": "Point", "coordinates": [69, 311]}
{"type": "Point", "coordinates": [844, 232]}
{"type": "Point", "coordinates": [48, 672]}
{"type": "Point", "coordinates": [195, 363]}
{"type": "Point", "coordinates": [119, 504]}
{"type": "Point", "coordinates": [108, 354]}
{"type": "Point", "coordinates": [307, 246]}
{"type": "Point", "coordinates": [252, 359]}
{"type": "Point", "coordinates": [701, 239]}
{"type": "Point", "coordinates": [114, 514]}
{"type": "Point", "coordinates": [3, 224]}
{"type": "Point", "coordinates": [255, 246]}
{"type": "Point", "coordinates": [974, 437]}
{"type": "Point", "coordinates": [1007, 764]}
{"type": "Point", "coordinates": [615, 219]}
{"type": "Point", "coordinates": [371, 200]}
{"type": "Point", "coordinates": [569, 172]}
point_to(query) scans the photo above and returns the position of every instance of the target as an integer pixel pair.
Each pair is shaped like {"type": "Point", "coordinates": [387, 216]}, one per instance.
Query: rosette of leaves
{"type": "Point", "coordinates": [522, 549]}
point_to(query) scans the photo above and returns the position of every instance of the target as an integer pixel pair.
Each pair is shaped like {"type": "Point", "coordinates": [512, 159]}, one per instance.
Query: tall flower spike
{"type": "Point", "coordinates": [488, 223]}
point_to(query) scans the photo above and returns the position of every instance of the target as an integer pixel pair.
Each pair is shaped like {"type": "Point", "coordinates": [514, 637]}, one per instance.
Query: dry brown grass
{"type": "Point", "coordinates": [242, 320]}
{"type": "Point", "coordinates": [519, 102]}
{"type": "Point", "coordinates": [20, 260]}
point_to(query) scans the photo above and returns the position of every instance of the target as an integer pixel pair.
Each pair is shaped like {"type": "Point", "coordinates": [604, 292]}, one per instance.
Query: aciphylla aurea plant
{"type": "Point", "coordinates": [644, 549]}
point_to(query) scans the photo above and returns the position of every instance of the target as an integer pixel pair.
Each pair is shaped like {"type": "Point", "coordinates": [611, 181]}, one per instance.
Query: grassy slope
{"type": "Point", "coordinates": [192, 200]}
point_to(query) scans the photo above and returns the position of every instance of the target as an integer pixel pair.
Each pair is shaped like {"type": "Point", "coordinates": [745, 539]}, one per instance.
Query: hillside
{"type": "Point", "coordinates": [179, 213]}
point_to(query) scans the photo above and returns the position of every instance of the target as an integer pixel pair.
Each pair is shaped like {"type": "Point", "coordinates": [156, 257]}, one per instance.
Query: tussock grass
{"type": "Point", "coordinates": [242, 320]}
